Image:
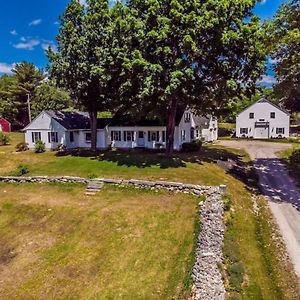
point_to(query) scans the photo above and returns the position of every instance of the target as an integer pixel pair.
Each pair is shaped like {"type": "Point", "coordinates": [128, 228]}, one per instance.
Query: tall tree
{"type": "Point", "coordinates": [196, 53]}
{"type": "Point", "coordinates": [82, 64]}
{"type": "Point", "coordinates": [49, 97]}
{"type": "Point", "coordinates": [285, 51]}
{"type": "Point", "coordinates": [28, 78]}
{"type": "Point", "coordinates": [8, 102]}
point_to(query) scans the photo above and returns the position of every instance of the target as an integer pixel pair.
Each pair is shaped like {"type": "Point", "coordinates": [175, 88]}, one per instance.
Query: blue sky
{"type": "Point", "coordinates": [28, 27]}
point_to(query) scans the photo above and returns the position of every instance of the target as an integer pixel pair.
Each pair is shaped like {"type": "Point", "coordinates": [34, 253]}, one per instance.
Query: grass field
{"type": "Point", "coordinates": [249, 237]}
{"type": "Point", "coordinates": [123, 243]}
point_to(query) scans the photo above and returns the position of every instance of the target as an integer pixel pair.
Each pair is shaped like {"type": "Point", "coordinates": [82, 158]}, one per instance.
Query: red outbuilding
{"type": "Point", "coordinates": [4, 125]}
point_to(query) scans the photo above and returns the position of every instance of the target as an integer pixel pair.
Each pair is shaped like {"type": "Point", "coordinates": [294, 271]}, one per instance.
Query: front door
{"type": "Point", "coordinates": [141, 139]}
{"type": "Point", "coordinates": [261, 133]}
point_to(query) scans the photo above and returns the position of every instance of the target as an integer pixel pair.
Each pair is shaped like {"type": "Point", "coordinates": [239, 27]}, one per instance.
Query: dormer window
{"type": "Point", "coordinates": [187, 117]}
{"type": "Point", "coordinates": [251, 115]}
{"type": "Point", "coordinates": [272, 115]}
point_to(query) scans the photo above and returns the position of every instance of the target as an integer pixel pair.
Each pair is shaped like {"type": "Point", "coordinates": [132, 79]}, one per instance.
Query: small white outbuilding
{"type": "Point", "coordinates": [263, 120]}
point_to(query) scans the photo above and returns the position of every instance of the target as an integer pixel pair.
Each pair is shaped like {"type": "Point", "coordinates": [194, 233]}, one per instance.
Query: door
{"type": "Point", "coordinates": [141, 139]}
{"type": "Point", "coordinates": [261, 133]}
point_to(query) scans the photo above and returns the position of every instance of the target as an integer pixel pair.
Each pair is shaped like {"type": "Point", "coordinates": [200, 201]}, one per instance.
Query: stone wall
{"type": "Point", "coordinates": [207, 277]}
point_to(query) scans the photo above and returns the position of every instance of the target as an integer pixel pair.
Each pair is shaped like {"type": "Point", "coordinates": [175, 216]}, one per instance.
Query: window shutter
{"type": "Point", "coordinates": [157, 136]}
{"type": "Point", "coordinates": [32, 136]}
{"type": "Point", "coordinates": [149, 136]}
{"type": "Point", "coordinates": [124, 136]}
{"type": "Point", "coordinates": [163, 136]}
{"type": "Point", "coordinates": [112, 135]}
{"type": "Point", "coordinates": [49, 137]}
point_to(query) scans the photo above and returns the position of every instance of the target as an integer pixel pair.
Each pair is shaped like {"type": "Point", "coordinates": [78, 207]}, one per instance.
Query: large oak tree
{"type": "Point", "coordinates": [196, 53]}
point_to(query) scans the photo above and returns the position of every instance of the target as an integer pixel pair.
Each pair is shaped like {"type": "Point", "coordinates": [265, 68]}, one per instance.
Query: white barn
{"type": "Point", "coordinates": [263, 120]}
{"type": "Point", "coordinates": [72, 129]}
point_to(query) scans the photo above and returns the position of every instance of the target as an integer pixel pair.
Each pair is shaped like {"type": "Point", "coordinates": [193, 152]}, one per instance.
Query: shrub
{"type": "Point", "coordinates": [39, 146]}
{"type": "Point", "coordinates": [4, 139]}
{"type": "Point", "coordinates": [21, 147]}
{"type": "Point", "coordinates": [191, 147]}
{"type": "Point", "coordinates": [21, 170]}
{"type": "Point", "coordinates": [236, 275]}
{"type": "Point", "coordinates": [295, 157]}
{"type": "Point", "coordinates": [92, 176]}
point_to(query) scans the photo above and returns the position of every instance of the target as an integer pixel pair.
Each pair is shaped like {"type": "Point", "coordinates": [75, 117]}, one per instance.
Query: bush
{"type": "Point", "coordinates": [295, 157]}
{"type": "Point", "coordinates": [236, 276]}
{"type": "Point", "coordinates": [21, 170]}
{"type": "Point", "coordinates": [21, 147]}
{"type": "Point", "coordinates": [4, 139]}
{"type": "Point", "coordinates": [39, 146]}
{"type": "Point", "coordinates": [191, 147]}
{"type": "Point", "coordinates": [92, 176]}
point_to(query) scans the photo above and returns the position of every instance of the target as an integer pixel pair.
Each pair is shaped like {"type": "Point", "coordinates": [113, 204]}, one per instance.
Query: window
{"type": "Point", "coordinates": [197, 133]}
{"type": "Point", "coordinates": [279, 130]}
{"type": "Point", "coordinates": [272, 115]}
{"type": "Point", "coordinates": [153, 136]}
{"type": "Point", "coordinates": [116, 136]}
{"type": "Point", "coordinates": [128, 136]}
{"type": "Point", "coordinates": [244, 131]}
{"type": "Point", "coordinates": [88, 137]}
{"type": "Point", "coordinates": [52, 137]}
{"type": "Point", "coordinates": [183, 136]}
{"type": "Point", "coordinates": [187, 117]}
{"type": "Point", "coordinates": [163, 136]}
{"type": "Point", "coordinates": [71, 136]}
{"type": "Point", "coordinates": [36, 136]}
{"type": "Point", "coordinates": [192, 133]}
{"type": "Point", "coordinates": [251, 115]}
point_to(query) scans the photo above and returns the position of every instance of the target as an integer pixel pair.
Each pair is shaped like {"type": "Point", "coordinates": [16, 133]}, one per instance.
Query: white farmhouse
{"type": "Point", "coordinates": [72, 129]}
{"type": "Point", "coordinates": [263, 120]}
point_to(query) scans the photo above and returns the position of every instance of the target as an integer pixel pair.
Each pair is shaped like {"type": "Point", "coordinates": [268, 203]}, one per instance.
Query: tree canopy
{"type": "Point", "coordinates": [196, 53]}
{"type": "Point", "coordinates": [284, 35]}
{"type": "Point", "coordinates": [82, 63]}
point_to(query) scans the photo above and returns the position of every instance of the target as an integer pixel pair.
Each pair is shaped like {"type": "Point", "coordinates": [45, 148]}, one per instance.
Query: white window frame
{"type": "Point", "coordinates": [116, 136]}
{"type": "Point", "coordinates": [128, 135]}
{"type": "Point", "coordinates": [280, 130]}
{"type": "Point", "coordinates": [243, 130]}
{"type": "Point", "coordinates": [187, 117]}
{"type": "Point", "coordinates": [90, 139]}
{"type": "Point", "coordinates": [52, 137]}
{"type": "Point", "coordinates": [36, 136]}
{"type": "Point", "coordinates": [183, 135]}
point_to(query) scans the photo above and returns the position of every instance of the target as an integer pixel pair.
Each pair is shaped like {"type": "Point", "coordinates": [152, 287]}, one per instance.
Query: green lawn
{"type": "Point", "coordinates": [123, 243]}
{"type": "Point", "coordinates": [266, 276]}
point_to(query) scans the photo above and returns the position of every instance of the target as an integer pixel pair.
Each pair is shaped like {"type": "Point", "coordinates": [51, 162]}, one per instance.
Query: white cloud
{"type": "Point", "coordinates": [267, 79]}
{"type": "Point", "coordinates": [50, 44]}
{"type": "Point", "coordinates": [13, 32]}
{"type": "Point", "coordinates": [35, 22]}
{"type": "Point", "coordinates": [23, 39]}
{"type": "Point", "coordinates": [6, 68]}
{"type": "Point", "coordinates": [273, 61]}
{"type": "Point", "coordinates": [82, 2]}
{"type": "Point", "coordinates": [29, 45]}
{"type": "Point", "coordinates": [263, 1]}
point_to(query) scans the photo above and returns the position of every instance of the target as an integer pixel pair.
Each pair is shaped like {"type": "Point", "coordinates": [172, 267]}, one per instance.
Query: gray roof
{"type": "Point", "coordinates": [265, 100]}
{"type": "Point", "coordinates": [202, 121]}
{"type": "Point", "coordinates": [75, 120]}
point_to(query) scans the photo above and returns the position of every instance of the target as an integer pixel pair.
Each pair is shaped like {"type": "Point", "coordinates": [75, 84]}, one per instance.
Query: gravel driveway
{"type": "Point", "coordinates": [279, 188]}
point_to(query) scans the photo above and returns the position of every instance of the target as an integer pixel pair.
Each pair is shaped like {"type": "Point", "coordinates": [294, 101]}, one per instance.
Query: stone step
{"type": "Point", "coordinates": [94, 187]}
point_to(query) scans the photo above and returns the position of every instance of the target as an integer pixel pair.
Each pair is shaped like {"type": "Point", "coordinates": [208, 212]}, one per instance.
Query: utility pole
{"type": "Point", "coordinates": [29, 108]}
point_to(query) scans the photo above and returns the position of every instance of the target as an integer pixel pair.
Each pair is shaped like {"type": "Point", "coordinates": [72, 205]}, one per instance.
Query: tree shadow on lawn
{"type": "Point", "coordinates": [146, 158]}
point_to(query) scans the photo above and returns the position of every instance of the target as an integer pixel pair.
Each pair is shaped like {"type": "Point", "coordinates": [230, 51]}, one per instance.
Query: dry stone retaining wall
{"type": "Point", "coordinates": [207, 277]}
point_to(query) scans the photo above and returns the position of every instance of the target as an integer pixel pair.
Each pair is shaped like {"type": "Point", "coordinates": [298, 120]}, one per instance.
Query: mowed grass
{"type": "Point", "coordinates": [266, 276]}
{"type": "Point", "coordinates": [123, 243]}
